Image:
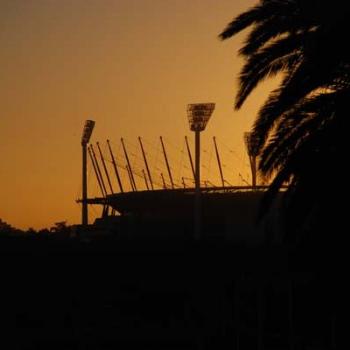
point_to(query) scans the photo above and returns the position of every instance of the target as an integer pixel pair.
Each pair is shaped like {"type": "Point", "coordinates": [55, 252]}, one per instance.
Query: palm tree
{"type": "Point", "coordinates": [301, 128]}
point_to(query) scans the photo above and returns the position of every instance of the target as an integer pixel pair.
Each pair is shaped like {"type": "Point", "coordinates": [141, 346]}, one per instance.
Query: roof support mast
{"type": "Point", "coordinates": [167, 163]}
{"type": "Point", "coordinates": [129, 166]}
{"type": "Point", "coordinates": [96, 173]}
{"type": "Point", "coordinates": [98, 169]}
{"type": "Point", "coordinates": [164, 184]}
{"type": "Point", "coordinates": [115, 167]}
{"type": "Point", "coordinates": [219, 162]}
{"type": "Point", "coordinates": [146, 163]}
{"type": "Point", "coordinates": [145, 177]}
{"type": "Point", "coordinates": [130, 177]}
{"type": "Point", "coordinates": [105, 168]}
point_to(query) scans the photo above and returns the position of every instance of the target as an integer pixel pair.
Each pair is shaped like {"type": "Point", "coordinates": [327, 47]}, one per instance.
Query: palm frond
{"type": "Point", "coordinates": [293, 127]}
{"type": "Point", "coordinates": [255, 15]}
{"type": "Point", "coordinates": [270, 29]}
{"type": "Point", "coordinates": [297, 85]}
{"type": "Point", "coordinates": [280, 55]}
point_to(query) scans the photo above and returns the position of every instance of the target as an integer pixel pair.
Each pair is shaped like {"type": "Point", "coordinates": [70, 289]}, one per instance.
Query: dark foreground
{"type": "Point", "coordinates": [159, 294]}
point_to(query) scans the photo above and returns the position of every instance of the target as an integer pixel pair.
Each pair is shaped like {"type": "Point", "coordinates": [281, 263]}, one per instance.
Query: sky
{"type": "Point", "coordinates": [130, 65]}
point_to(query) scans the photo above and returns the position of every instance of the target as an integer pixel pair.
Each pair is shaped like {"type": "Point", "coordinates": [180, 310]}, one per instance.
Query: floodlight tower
{"type": "Point", "coordinates": [251, 144]}
{"type": "Point", "coordinates": [198, 117]}
{"type": "Point", "coordinates": [87, 131]}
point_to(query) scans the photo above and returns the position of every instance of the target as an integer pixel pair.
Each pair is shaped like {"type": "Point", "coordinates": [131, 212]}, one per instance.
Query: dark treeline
{"type": "Point", "coordinates": [58, 230]}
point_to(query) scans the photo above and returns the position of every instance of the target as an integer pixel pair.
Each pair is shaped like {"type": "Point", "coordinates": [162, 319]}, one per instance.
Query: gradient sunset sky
{"type": "Point", "coordinates": [130, 65]}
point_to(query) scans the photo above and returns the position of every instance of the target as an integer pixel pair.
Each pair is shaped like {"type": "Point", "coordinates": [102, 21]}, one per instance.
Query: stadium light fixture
{"type": "Point", "coordinates": [87, 131]}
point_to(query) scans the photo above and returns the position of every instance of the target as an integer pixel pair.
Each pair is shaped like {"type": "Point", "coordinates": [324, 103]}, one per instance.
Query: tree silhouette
{"type": "Point", "coordinates": [301, 129]}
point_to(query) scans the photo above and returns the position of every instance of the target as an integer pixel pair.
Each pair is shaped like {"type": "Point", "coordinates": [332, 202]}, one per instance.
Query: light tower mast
{"type": "Point", "coordinates": [198, 117]}
{"type": "Point", "coordinates": [87, 131]}
{"type": "Point", "coordinates": [251, 144]}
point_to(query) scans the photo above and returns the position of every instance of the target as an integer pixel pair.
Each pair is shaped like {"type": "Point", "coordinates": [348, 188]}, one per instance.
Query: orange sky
{"type": "Point", "coordinates": [132, 66]}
